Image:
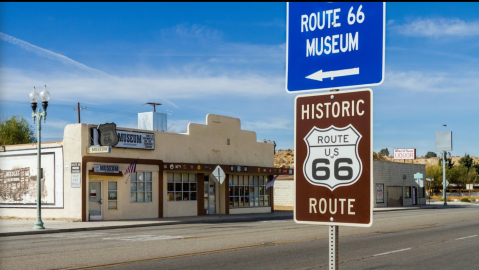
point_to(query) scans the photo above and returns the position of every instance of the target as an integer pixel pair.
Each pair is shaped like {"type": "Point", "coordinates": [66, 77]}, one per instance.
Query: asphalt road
{"type": "Point", "coordinates": [413, 239]}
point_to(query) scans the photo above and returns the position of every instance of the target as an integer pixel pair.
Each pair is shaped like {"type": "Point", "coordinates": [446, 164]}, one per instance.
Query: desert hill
{"type": "Point", "coordinates": [285, 158]}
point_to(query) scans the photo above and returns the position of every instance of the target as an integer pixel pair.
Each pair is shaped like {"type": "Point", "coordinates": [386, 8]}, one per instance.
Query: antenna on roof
{"type": "Point", "coordinates": [154, 105]}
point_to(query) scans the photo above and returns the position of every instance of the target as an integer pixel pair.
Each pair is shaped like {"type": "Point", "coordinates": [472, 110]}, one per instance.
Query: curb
{"type": "Point", "coordinates": [395, 209]}
{"type": "Point", "coordinates": [216, 220]}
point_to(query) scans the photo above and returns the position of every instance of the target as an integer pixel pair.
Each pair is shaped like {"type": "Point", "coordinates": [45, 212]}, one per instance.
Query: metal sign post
{"type": "Point", "coordinates": [443, 144]}
{"type": "Point", "coordinates": [220, 177]}
{"type": "Point", "coordinates": [333, 179]}
{"type": "Point", "coordinates": [333, 247]}
{"type": "Point", "coordinates": [444, 196]}
{"type": "Point", "coordinates": [331, 46]}
{"type": "Point", "coordinates": [430, 191]}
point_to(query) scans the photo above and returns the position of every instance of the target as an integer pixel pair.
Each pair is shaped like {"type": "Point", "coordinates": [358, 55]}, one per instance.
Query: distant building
{"type": "Point", "coordinates": [394, 185]}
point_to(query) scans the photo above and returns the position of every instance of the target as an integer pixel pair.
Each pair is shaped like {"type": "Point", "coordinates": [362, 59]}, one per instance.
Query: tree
{"type": "Point", "coordinates": [384, 152]}
{"type": "Point", "coordinates": [449, 162]}
{"type": "Point", "coordinates": [430, 154]}
{"type": "Point", "coordinates": [434, 172]}
{"type": "Point", "coordinates": [461, 175]}
{"type": "Point", "coordinates": [16, 130]}
{"type": "Point", "coordinates": [467, 161]}
{"type": "Point", "coordinates": [476, 167]}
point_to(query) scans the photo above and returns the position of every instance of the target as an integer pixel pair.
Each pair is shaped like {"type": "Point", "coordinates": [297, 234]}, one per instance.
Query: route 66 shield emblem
{"type": "Point", "coordinates": [332, 159]}
{"type": "Point", "coordinates": [108, 136]}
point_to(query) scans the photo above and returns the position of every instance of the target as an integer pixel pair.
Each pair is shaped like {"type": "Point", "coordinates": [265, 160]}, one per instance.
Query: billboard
{"type": "Point", "coordinates": [404, 153]}
{"type": "Point", "coordinates": [443, 141]}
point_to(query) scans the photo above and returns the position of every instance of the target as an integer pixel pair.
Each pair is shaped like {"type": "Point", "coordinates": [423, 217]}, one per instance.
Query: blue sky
{"type": "Point", "coordinates": [229, 59]}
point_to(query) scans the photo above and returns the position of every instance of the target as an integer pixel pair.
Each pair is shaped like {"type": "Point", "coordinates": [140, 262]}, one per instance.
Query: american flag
{"type": "Point", "coordinates": [271, 183]}
{"type": "Point", "coordinates": [131, 168]}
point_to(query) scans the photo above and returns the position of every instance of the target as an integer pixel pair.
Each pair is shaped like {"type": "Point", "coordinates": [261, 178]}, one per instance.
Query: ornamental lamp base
{"type": "Point", "coordinates": [38, 225]}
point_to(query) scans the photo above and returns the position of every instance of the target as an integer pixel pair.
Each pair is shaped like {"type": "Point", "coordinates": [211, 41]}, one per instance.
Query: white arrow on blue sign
{"type": "Point", "coordinates": [334, 45]}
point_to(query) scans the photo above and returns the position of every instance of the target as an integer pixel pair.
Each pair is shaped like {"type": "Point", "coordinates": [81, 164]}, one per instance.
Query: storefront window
{"type": "Point", "coordinates": [181, 186]}
{"type": "Point", "coordinates": [112, 195]}
{"type": "Point", "coordinates": [420, 192]}
{"type": "Point", "coordinates": [141, 187]}
{"type": "Point", "coordinates": [407, 192]}
{"type": "Point", "coordinates": [248, 191]}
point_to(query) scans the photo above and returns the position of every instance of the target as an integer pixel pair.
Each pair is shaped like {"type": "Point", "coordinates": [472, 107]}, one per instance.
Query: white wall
{"type": "Point", "coordinates": [283, 193]}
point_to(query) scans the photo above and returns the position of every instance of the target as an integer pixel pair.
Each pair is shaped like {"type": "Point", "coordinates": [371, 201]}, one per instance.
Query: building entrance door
{"type": "Point", "coordinates": [394, 195]}
{"type": "Point", "coordinates": [95, 200]}
{"type": "Point", "coordinates": [210, 198]}
{"type": "Point", "coordinates": [414, 196]}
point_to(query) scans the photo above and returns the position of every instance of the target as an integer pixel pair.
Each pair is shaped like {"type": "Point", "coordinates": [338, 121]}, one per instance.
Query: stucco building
{"type": "Point", "coordinates": [85, 181]}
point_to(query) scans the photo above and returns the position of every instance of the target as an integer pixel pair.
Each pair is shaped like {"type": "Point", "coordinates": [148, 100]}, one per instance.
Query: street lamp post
{"type": "Point", "coordinates": [34, 97]}
{"type": "Point", "coordinates": [444, 174]}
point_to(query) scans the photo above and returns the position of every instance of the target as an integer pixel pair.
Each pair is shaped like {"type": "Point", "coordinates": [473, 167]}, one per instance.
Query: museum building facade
{"type": "Point", "coordinates": [213, 168]}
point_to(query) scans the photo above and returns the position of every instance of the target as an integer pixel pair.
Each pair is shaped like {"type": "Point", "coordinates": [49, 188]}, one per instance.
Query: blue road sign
{"type": "Point", "coordinates": [334, 45]}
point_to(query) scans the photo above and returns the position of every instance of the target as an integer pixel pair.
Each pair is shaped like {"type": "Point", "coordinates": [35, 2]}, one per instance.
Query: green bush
{"type": "Point", "coordinates": [441, 199]}
{"type": "Point", "coordinates": [465, 200]}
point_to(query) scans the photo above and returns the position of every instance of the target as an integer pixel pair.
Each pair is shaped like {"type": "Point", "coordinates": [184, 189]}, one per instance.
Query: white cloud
{"type": "Point", "coordinates": [432, 81]}
{"type": "Point", "coordinates": [52, 129]}
{"type": "Point", "coordinates": [195, 31]}
{"type": "Point", "coordinates": [195, 79]}
{"type": "Point", "coordinates": [202, 41]}
{"type": "Point", "coordinates": [71, 87]}
{"type": "Point", "coordinates": [438, 27]}
{"type": "Point", "coordinates": [269, 125]}
{"type": "Point", "coordinates": [48, 54]}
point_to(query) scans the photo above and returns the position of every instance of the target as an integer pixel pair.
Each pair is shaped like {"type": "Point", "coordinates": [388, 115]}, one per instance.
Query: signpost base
{"type": "Point", "coordinates": [333, 247]}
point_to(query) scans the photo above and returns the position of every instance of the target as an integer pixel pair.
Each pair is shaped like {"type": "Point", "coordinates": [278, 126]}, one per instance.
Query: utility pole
{"type": "Point", "coordinates": [154, 105]}
{"type": "Point", "coordinates": [78, 109]}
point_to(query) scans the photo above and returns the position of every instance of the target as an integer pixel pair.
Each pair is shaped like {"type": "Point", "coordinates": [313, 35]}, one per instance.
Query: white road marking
{"type": "Point", "coordinates": [75, 235]}
{"type": "Point", "coordinates": [275, 221]}
{"type": "Point", "coordinates": [389, 252]}
{"type": "Point", "coordinates": [466, 237]}
{"type": "Point", "coordinates": [144, 237]}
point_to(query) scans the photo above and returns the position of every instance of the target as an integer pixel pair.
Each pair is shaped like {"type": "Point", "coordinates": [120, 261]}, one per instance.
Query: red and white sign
{"type": "Point", "coordinates": [405, 153]}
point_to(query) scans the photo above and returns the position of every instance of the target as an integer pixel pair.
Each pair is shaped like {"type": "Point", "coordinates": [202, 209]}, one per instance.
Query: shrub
{"type": "Point", "coordinates": [441, 199]}
{"type": "Point", "coordinates": [465, 200]}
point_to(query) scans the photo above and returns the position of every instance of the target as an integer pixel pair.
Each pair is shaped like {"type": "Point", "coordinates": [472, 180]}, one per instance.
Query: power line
{"type": "Point", "coordinates": [114, 114]}
{"type": "Point", "coordinates": [119, 113]}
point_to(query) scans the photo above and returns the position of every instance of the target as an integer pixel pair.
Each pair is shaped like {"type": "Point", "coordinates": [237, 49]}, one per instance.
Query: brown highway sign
{"type": "Point", "coordinates": [333, 158]}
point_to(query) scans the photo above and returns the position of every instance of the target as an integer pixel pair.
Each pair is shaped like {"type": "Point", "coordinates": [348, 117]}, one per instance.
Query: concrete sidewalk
{"type": "Point", "coordinates": [12, 227]}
